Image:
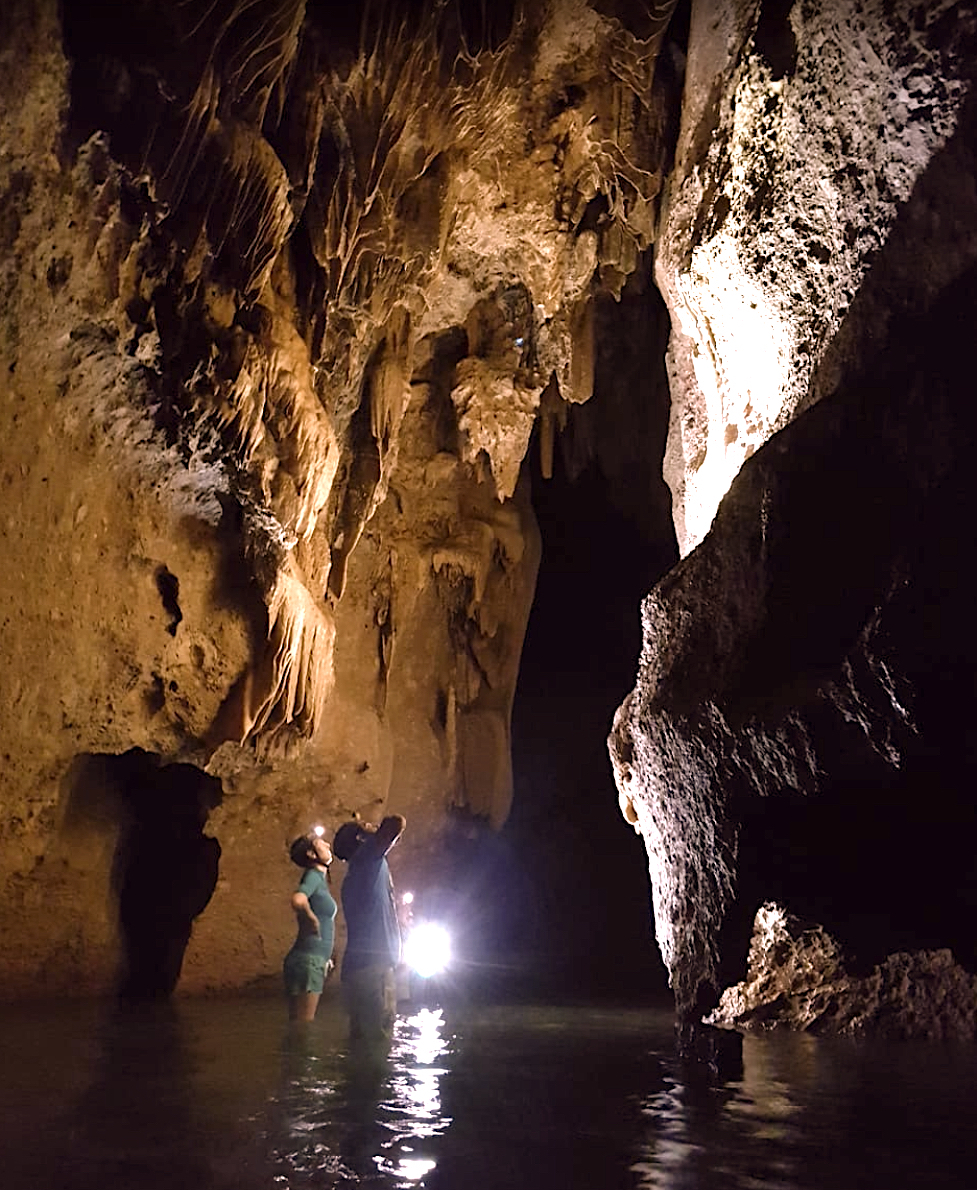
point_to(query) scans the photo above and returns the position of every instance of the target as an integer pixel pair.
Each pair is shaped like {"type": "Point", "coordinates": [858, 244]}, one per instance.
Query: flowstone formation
{"type": "Point", "coordinates": [287, 289]}
{"type": "Point", "coordinates": [801, 730]}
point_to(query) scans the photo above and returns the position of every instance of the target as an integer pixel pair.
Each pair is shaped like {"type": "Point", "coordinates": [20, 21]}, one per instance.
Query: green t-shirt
{"type": "Point", "coordinates": [313, 884]}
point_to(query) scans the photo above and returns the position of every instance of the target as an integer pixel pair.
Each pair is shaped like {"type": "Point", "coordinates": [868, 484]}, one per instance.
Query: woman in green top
{"type": "Point", "coordinates": [310, 960]}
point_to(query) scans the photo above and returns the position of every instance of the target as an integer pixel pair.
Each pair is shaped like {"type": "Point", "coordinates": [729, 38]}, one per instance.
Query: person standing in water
{"type": "Point", "coordinates": [372, 927]}
{"type": "Point", "coordinates": [309, 962]}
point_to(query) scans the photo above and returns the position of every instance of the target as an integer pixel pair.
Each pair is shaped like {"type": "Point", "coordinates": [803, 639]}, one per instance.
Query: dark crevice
{"type": "Point", "coordinates": [582, 905]}
{"type": "Point", "coordinates": [774, 39]}
{"type": "Point", "coordinates": [577, 894]}
{"type": "Point", "coordinates": [168, 586]}
{"type": "Point", "coordinates": [165, 866]}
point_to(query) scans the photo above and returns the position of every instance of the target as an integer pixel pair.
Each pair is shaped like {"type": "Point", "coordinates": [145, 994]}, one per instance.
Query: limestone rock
{"type": "Point", "coordinates": [805, 128]}
{"type": "Point", "coordinates": [796, 979]}
{"type": "Point", "coordinates": [281, 293]}
{"type": "Point", "coordinates": [799, 706]}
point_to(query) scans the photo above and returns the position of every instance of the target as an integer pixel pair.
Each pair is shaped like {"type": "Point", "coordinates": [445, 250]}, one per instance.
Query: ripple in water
{"type": "Point", "coordinates": [225, 1095]}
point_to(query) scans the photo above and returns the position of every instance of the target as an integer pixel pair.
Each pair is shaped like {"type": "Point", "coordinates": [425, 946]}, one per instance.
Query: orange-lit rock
{"type": "Point", "coordinates": [275, 331]}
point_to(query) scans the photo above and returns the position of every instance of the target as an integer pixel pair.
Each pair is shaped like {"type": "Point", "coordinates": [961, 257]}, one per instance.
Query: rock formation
{"type": "Point", "coordinates": [797, 979]}
{"type": "Point", "coordinates": [290, 294]}
{"type": "Point", "coordinates": [286, 289]}
{"type": "Point", "coordinates": [801, 726]}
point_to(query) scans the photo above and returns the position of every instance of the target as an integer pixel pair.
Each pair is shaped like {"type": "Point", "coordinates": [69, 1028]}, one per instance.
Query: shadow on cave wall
{"type": "Point", "coordinates": [165, 867]}
{"type": "Point", "coordinates": [576, 904]}
{"type": "Point", "coordinates": [876, 513]}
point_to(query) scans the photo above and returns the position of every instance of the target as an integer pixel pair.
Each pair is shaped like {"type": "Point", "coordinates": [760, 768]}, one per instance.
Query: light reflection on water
{"type": "Point", "coordinates": [369, 1116]}
{"type": "Point", "coordinates": [228, 1096]}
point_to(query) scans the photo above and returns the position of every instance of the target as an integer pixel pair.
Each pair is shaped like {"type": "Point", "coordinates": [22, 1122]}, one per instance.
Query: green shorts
{"type": "Point", "coordinates": [305, 972]}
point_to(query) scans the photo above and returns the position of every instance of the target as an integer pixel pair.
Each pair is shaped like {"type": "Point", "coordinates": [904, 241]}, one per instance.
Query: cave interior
{"type": "Point", "coordinates": [422, 347]}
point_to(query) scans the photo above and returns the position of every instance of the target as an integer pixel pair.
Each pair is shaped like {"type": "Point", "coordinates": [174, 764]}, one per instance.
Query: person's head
{"type": "Point", "coordinates": [310, 851]}
{"type": "Point", "coordinates": [348, 838]}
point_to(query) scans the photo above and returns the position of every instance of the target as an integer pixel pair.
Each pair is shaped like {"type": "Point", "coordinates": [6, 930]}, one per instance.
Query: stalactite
{"type": "Point", "coordinates": [248, 212]}
{"type": "Point", "coordinates": [294, 679]}
{"type": "Point", "coordinates": [208, 162]}
{"type": "Point", "coordinates": [580, 373]}
{"type": "Point", "coordinates": [451, 731]}
{"type": "Point", "coordinates": [269, 408]}
{"type": "Point", "coordinates": [178, 153]}
{"type": "Point", "coordinates": [552, 418]}
{"type": "Point", "coordinates": [386, 122]}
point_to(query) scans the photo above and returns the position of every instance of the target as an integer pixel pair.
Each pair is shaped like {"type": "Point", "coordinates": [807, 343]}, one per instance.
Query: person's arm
{"type": "Point", "coordinates": [307, 920]}
{"type": "Point", "coordinates": [389, 831]}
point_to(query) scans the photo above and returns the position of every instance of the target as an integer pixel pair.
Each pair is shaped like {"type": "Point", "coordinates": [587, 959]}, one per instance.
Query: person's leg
{"type": "Point", "coordinates": [303, 1006]}
{"type": "Point", "coordinates": [371, 1001]}
{"type": "Point", "coordinates": [304, 980]}
{"type": "Point", "coordinates": [388, 1001]}
{"type": "Point", "coordinates": [352, 999]}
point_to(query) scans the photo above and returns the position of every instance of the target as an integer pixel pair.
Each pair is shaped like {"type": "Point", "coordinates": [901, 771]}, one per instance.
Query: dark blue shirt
{"type": "Point", "coordinates": [372, 928]}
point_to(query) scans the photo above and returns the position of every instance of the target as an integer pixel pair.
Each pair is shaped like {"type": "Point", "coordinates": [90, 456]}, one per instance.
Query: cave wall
{"type": "Point", "coordinates": [284, 295]}
{"type": "Point", "coordinates": [289, 293]}
{"type": "Point", "coordinates": [805, 129]}
{"type": "Point", "coordinates": [800, 731]}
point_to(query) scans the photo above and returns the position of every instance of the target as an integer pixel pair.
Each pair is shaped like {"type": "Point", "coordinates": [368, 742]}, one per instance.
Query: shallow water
{"type": "Point", "coordinates": [224, 1094]}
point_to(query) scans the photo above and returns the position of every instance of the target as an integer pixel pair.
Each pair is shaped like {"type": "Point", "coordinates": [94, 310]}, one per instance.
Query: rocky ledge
{"type": "Point", "coordinates": [798, 978]}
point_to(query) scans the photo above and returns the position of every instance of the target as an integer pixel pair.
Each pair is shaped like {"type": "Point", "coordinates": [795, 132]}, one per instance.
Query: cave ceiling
{"type": "Point", "coordinates": [289, 289]}
{"type": "Point", "coordinates": [313, 216]}
{"type": "Point", "coordinates": [289, 294]}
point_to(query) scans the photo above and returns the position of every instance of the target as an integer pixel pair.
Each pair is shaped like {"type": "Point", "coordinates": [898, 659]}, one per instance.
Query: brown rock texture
{"type": "Point", "coordinates": [800, 729]}
{"type": "Point", "coordinates": [797, 979]}
{"type": "Point", "coordinates": [284, 294]}
{"type": "Point", "coordinates": [288, 294]}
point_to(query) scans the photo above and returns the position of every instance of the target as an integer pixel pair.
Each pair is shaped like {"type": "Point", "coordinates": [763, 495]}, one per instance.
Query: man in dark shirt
{"type": "Point", "coordinates": [372, 927]}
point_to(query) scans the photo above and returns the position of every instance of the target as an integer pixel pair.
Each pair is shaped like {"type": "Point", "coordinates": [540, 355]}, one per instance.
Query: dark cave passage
{"type": "Point", "coordinates": [579, 913]}
{"type": "Point", "coordinates": [166, 867]}
{"type": "Point", "coordinates": [585, 908]}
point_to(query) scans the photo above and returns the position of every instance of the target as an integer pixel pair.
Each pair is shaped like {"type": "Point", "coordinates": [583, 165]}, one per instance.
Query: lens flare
{"type": "Point", "coordinates": [428, 949]}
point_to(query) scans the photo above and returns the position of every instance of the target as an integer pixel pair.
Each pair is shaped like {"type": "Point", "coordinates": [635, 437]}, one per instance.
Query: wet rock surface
{"type": "Point", "coordinates": [797, 979]}
{"type": "Point", "coordinates": [800, 726]}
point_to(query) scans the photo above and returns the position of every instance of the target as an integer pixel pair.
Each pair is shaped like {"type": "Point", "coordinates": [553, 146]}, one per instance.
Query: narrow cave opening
{"type": "Point", "coordinates": [581, 906]}
{"type": "Point", "coordinates": [165, 866]}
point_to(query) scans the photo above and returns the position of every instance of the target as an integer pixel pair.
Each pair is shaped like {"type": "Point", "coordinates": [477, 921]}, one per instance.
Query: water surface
{"type": "Point", "coordinates": [215, 1095]}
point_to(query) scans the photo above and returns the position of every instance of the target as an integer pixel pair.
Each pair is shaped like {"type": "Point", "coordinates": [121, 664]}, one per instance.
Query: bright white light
{"type": "Point", "coordinates": [319, 831]}
{"type": "Point", "coordinates": [414, 1168]}
{"type": "Point", "coordinates": [408, 898]}
{"type": "Point", "coordinates": [428, 949]}
{"type": "Point", "coordinates": [422, 1038]}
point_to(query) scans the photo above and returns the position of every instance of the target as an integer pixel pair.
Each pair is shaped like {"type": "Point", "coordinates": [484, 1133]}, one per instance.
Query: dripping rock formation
{"type": "Point", "coordinates": [297, 298]}
{"type": "Point", "coordinates": [288, 289]}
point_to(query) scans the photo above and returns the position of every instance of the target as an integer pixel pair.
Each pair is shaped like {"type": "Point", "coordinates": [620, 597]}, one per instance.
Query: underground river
{"type": "Point", "coordinates": [209, 1094]}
